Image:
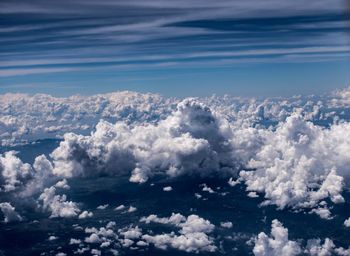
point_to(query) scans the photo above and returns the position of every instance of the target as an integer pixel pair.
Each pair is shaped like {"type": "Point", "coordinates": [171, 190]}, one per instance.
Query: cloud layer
{"type": "Point", "coordinates": [289, 153]}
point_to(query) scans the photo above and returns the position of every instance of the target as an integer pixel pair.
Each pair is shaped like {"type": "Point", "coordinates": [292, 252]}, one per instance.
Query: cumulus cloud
{"type": "Point", "coordinates": [85, 214]}
{"type": "Point", "coordinates": [23, 179]}
{"type": "Point", "coordinates": [120, 207]}
{"type": "Point", "coordinates": [74, 241]}
{"type": "Point", "coordinates": [103, 234]}
{"type": "Point", "coordinates": [58, 204]}
{"type": "Point", "coordinates": [102, 207]}
{"type": "Point", "coordinates": [9, 212]}
{"type": "Point", "coordinates": [347, 223]}
{"type": "Point", "coordinates": [132, 209]}
{"type": "Point", "coordinates": [227, 224]}
{"type": "Point", "coordinates": [193, 235]}
{"type": "Point", "coordinates": [301, 164]}
{"type": "Point", "coordinates": [13, 171]}
{"type": "Point", "coordinates": [191, 140]}
{"type": "Point", "coordinates": [277, 244]}
{"type": "Point", "coordinates": [167, 189]}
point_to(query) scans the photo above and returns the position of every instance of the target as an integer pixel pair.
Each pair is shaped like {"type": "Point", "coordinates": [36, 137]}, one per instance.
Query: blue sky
{"type": "Point", "coordinates": [176, 48]}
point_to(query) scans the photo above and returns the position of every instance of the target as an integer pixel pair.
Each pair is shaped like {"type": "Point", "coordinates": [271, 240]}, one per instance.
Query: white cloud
{"type": "Point", "coordinates": [233, 182]}
{"type": "Point", "coordinates": [131, 233]}
{"type": "Point", "coordinates": [13, 171]}
{"type": "Point", "coordinates": [9, 212]}
{"type": "Point", "coordinates": [120, 207]}
{"type": "Point", "coordinates": [74, 241]}
{"type": "Point", "coordinates": [92, 239]}
{"type": "Point", "coordinates": [58, 204]}
{"type": "Point", "coordinates": [167, 189]}
{"type": "Point", "coordinates": [193, 234]}
{"type": "Point", "coordinates": [85, 214]}
{"type": "Point", "coordinates": [101, 235]}
{"type": "Point", "coordinates": [207, 189]}
{"type": "Point", "coordinates": [102, 207]}
{"type": "Point", "coordinates": [301, 164]}
{"type": "Point", "coordinates": [25, 117]}
{"type": "Point", "coordinates": [277, 244]}
{"type": "Point", "coordinates": [132, 209]}
{"type": "Point", "coordinates": [295, 164]}
{"type": "Point", "coordinates": [227, 224]}
{"type": "Point", "coordinates": [252, 194]}
{"type": "Point", "coordinates": [62, 184]}
{"type": "Point", "coordinates": [315, 248]}
{"type": "Point", "coordinates": [191, 140]}
{"type": "Point", "coordinates": [347, 223]}
{"type": "Point", "coordinates": [174, 219]}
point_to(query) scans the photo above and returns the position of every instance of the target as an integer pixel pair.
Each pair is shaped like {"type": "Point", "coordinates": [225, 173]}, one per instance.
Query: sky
{"type": "Point", "coordinates": [175, 48]}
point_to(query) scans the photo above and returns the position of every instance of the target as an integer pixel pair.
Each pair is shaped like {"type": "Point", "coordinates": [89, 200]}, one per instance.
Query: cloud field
{"type": "Point", "coordinates": [292, 153]}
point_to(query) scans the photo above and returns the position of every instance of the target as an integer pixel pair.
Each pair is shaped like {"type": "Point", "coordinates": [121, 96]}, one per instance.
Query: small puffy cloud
{"type": "Point", "coordinates": [9, 212]}
{"type": "Point", "coordinates": [323, 212]}
{"type": "Point", "coordinates": [95, 252]}
{"type": "Point", "coordinates": [175, 219]}
{"type": "Point", "coordinates": [227, 224]}
{"type": "Point", "coordinates": [74, 241]}
{"type": "Point", "coordinates": [102, 207]}
{"type": "Point", "coordinates": [52, 238]}
{"type": "Point", "coordinates": [120, 207]}
{"type": "Point", "coordinates": [132, 209]}
{"type": "Point", "coordinates": [167, 189]}
{"type": "Point", "coordinates": [105, 244]}
{"type": "Point", "coordinates": [101, 235]}
{"type": "Point", "coordinates": [208, 189]}
{"type": "Point", "coordinates": [85, 214]}
{"type": "Point", "coordinates": [316, 248]}
{"type": "Point", "coordinates": [131, 233]}
{"type": "Point", "coordinates": [347, 223]}
{"type": "Point", "coordinates": [233, 182]}
{"type": "Point", "coordinates": [93, 239]}
{"type": "Point", "coordinates": [197, 195]}
{"type": "Point", "coordinates": [252, 194]}
{"type": "Point", "coordinates": [62, 184]}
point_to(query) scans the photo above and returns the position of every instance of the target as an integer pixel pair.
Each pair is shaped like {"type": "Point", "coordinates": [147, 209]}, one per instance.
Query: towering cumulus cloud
{"type": "Point", "coordinates": [23, 179]}
{"type": "Point", "coordinates": [13, 172]}
{"type": "Point", "coordinates": [191, 140]}
{"type": "Point", "coordinates": [277, 244]}
{"type": "Point", "coordinates": [301, 164]}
